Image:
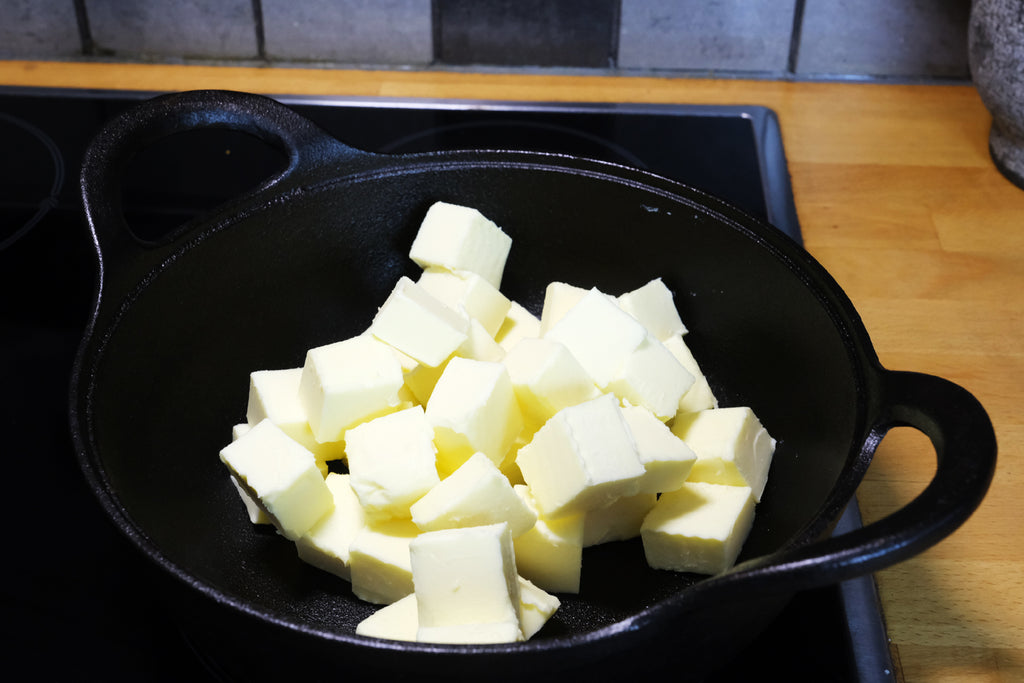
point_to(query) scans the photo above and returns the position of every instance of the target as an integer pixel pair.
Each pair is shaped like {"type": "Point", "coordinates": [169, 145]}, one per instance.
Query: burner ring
{"type": "Point", "coordinates": [48, 202]}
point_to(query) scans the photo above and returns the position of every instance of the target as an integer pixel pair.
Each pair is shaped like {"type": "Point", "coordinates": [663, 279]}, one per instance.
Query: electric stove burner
{"type": "Point", "coordinates": [81, 608]}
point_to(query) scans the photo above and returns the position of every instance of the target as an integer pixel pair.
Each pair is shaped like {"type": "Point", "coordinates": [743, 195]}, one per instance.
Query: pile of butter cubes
{"type": "Point", "coordinates": [478, 449]}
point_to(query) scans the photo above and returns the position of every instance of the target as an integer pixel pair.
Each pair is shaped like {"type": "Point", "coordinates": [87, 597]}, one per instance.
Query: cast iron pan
{"type": "Point", "coordinates": [162, 375]}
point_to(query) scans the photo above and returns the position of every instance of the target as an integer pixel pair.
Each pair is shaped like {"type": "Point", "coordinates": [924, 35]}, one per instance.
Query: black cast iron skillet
{"type": "Point", "coordinates": [162, 375]}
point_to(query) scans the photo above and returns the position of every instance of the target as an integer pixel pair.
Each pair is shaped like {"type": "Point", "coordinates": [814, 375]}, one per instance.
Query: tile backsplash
{"type": "Point", "coordinates": [832, 39]}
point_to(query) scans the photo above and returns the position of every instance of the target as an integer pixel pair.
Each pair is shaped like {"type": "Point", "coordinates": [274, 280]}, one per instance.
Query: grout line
{"type": "Point", "coordinates": [794, 37]}
{"type": "Point", "coordinates": [613, 48]}
{"type": "Point", "coordinates": [261, 37]}
{"type": "Point", "coordinates": [84, 31]}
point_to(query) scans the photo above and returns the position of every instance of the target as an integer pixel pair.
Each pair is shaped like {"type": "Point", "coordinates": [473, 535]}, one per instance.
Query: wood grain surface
{"type": "Point", "coordinates": [899, 200]}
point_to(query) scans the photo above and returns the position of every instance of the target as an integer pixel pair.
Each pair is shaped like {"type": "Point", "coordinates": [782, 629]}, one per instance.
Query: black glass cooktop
{"type": "Point", "coordinates": [76, 597]}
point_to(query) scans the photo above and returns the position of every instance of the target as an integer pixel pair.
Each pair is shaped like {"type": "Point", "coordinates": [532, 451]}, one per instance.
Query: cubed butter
{"type": "Point", "coordinates": [698, 528]}
{"type": "Point", "coordinates": [257, 515]}
{"type": "Point", "coordinates": [392, 462]}
{"type": "Point", "coordinates": [666, 458]}
{"type": "Point", "coordinates": [400, 620]}
{"type": "Point", "coordinates": [475, 494]}
{"type": "Point", "coordinates": [652, 377]}
{"type": "Point", "coordinates": [559, 297]}
{"type": "Point", "coordinates": [274, 394]}
{"type": "Point", "coordinates": [469, 294]}
{"type": "Point", "coordinates": [379, 561]}
{"type": "Point", "coordinates": [620, 520]}
{"type": "Point", "coordinates": [599, 334]}
{"type": "Point", "coordinates": [466, 577]}
{"type": "Point", "coordinates": [461, 238]}
{"type": "Point", "coordinates": [546, 377]}
{"type": "Point", "coordinates": [550, 554]}
{"type": "Point", "coordinates": [583, 457]}
{"type": "Point", "coordinates": [699, 396]}
{"type": "Point", "coordinates": [280, 474]}
{"type": "Point", "coordinates": [348, 382]}
{"type": "Point", "coordinates": [416, 323]}
{"type": "Point", "coordinates": [473, 408]}
{"type": "Point", "coordinates": [731, 445]}
{"type": "Point", "coordinates": [653, 306]}
{"type": "Point", "coordinates": [519, 324]}
{"type": "Point", "coordinates": [326, 545]}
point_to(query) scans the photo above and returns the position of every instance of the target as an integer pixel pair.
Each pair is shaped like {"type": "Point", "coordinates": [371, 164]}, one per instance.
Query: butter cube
{"type": "Point", "coordinates": [550, 554]}
{"type": "Point", "coordinates": [519, 324]}
{"type": "Point", "coordinates": [547, 378]}
{"type": "Point", "coordinates": [417, 324]}
{"type": "Point", "coordinates": [348, 382]}
{"type": "Point", "coordinates": [479, 345]}
{"type": "Point", "coordinates": [392, 463]}
{"type": "Point", "coordinates": [466, 577]}
{"type": "Point", "coordinates": [618, 521]}
{"type": "Point", "coordinates": [653, 306]}
{"type": "Point", "coordinates": [282, 475]}
{"type": "Point", "coordinates": [536, 607]}
{"type": "Point", "coordinates": [731, 445]}
{"type": "Point", "coordinates": [400, 620]}
{"type": "Point", "coordinates": [461, 238]}
{"type": "Point", "coordinates": [699, 396]}
{"type": "Point", "coordinates": [665, 457]}
{"type": "Point", "coordinates": [379, 561]}
{"type": "Point", "coordinates": [559, 298]}
{"type": "Point", "coordinates": [469, 294]}
{"type": "Point", "coordinates": [257, 515]}
{"type": "Point", "coordinates": [326, 544]}
{"type": "Point", "coordinates": [698, 528]}
{"type": "Point", "coordinates": [650, 376]}
{"type": "Point", "coordinates": [476, 494]}
{"type": "Point", "coordinates": [473, 408]}
{"type": "Point", "coordinates": [397, 621]}
{"type": "Point", "coordinates": [599, 334]}
{"type": "Point", "coordinates": [274, 395]}
{"type": "Point", "coordinates": [583, 457]}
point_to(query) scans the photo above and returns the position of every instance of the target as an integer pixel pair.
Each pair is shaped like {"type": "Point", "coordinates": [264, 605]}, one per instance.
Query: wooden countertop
{"type": "Point", "coordinates": [898, 199]}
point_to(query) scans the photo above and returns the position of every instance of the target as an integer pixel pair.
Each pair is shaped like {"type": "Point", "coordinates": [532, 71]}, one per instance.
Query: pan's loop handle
{"type": "Point", "coordinates": [306, 145]}
{"type": "Point", "coordinates": [965, 447]}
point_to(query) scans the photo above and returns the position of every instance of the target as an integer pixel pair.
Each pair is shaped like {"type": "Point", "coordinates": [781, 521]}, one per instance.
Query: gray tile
{"type": "Point", "coordinates": [567, 33]}
{"type": "Point", "coordinates": [191, 29]}
{"type": "Point", "coordinates": [38, 29]}
{"type": "Point", "coordinates": [722, 35]}
{"type": "Point", "coordinates": [349, 31]}
{"type": "Point", "coordinates": [905, 38]}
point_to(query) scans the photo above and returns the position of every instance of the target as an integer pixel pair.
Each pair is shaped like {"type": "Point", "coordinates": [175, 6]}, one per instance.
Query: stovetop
{"type": "Point", "coordinates": [76, 599]}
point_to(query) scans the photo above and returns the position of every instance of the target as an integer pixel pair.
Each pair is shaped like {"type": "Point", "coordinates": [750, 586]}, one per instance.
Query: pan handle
{"type": "Point", "coordinates": [965, 446]}
{"type": "Point", "coordinates": [307, 146]}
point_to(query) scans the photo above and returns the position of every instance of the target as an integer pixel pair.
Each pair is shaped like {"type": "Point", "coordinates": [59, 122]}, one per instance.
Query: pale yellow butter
{"type": "Point", "coordinates": [699, 396]}
{"type": "Point", "coordinates": [550, 554]}
{"type": "Point", "coordinates": [653, 306]}
{"type": "Point", "coordinates": [698, 528]}
{"type": "Point", "coordinates": [475, 494]}
{"type": "Point", "coordinates": [392, 463]}
{"type": "Point", "coordinates": [652, 377]}
{"type": "Point", "coordinates": [274, 394]}
{"type": "Point", "coordinates": [473, 408]}
{"type": "Point", "coordinates": [282, 475]}
{"type": "Point", "coordinates": [731, 445]}
{"type": "Point", "coordinates": [348, 382]}
{"type": "Point", "coordinates": [418, 324]}
{"type": "Point", "coordinates": [599, 334]}
{"type": "Point", "coordinates": [466, 577]}
{"type": "Point", "coordinates": [620, 520]}
{"type": "Point", "coordinates": [537, 606]}
{"type": "Point", "coordinates": [461, 238]}
{"type": "Point", "coordinates": [379, 561]}
{"type": "Point", "coordinates": [559, 297]}
{"type": "Point", "coordinates": [469, 294]}
{"type": "Point", "coordinates": [546, 377]}
{"type": "Point", "coordinates": [519, 324]}
{"type": "Point", "coordinates": [583, 457]}
{"type": "Point", "coordinates": [666, 458]}
{"type": "Point", "coordinates": [257, 515]}
{"type": "Point", "coordinates": [326, 544]}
